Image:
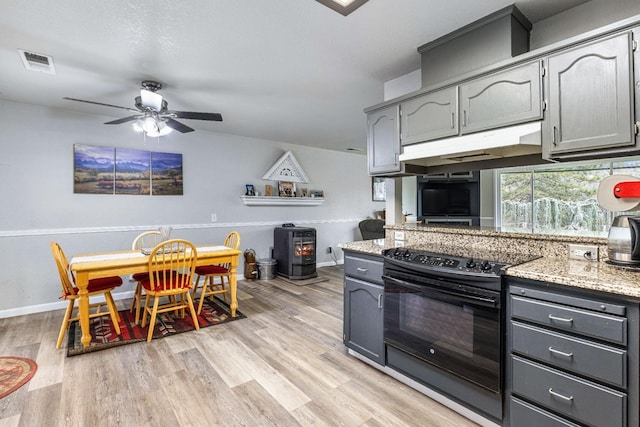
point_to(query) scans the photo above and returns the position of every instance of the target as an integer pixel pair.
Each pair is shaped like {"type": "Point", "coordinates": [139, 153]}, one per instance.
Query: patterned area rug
{"type": "Point", "coordinates": [104, 336]}
{"type": "Point", "coordinates": [14, 373]}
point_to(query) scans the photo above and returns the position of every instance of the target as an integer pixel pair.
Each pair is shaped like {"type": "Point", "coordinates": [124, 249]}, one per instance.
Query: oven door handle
{"type": "Point", "coordinates": [475, 298]}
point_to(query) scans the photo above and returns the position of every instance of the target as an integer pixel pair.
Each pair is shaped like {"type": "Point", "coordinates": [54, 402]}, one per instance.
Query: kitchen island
{"type": "Point", "coordinates": [571, 327]}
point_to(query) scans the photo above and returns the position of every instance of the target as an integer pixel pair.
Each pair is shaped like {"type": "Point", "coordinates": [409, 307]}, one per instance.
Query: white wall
{"type": "Point", "coordinates": [580, 19]}
{"type": "Point", "coordinates": [39, 206]}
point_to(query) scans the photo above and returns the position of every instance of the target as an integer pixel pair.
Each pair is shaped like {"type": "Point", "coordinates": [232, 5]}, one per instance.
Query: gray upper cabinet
{"type": "Point", "coordinates": [383, 140]}
{"type": "Point", "coordinates": [590, 105]}
{"type": "Point", "coordinates": [501, 99]}
{"type": "Point", "coordinates": [429, 116]}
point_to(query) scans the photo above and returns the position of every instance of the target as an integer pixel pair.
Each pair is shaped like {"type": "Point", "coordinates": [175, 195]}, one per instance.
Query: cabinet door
{"type": "Point", "coordinates": [363, 322]}
{"type": "Point", "coordinates": [590, 98]}
{"type": "Point", "coordinates": [429, 116]}
{"type": "Point", "coordinates": [505, 98]}
{"type": "Point", "coordinates": [383, 140]}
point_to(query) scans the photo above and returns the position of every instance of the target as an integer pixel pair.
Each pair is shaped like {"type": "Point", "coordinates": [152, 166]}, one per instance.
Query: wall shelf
{"type": "Point", "coordinates": [281, 201]}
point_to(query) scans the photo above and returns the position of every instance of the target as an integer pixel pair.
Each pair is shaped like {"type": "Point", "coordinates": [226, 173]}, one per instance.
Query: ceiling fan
{"type": "Point", "coordinates": [151, 112]}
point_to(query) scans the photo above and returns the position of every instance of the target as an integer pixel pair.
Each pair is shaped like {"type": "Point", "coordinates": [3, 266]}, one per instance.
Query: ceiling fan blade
{"type": "Point", "coordinates": [124, 120]}
{"type": "Point", "coordinates": [101, 103]}
{"type": "Point", "coordinates": [173, 124]}
{"type": "Point", "coordinates": [216, 117]}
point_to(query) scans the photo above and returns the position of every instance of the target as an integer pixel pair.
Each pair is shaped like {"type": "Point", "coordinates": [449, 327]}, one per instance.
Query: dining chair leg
{"type": "Point", "coordinates": [144, 312]}
{"type": "Point", "coordinates": [135, 301]}
{"type": "Point", "coordinates": [152, 322]}
{"type": "Point", "coordinates": [193, 312]}
{"type": "Point", "coordinates": [65, 322]}
{"type": "Point", "coordinates": [196, 284]}
{"type": "Point", "coordinates": [113, 311]}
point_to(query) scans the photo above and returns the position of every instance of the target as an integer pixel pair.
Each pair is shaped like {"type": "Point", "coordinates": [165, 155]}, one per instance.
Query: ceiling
{"type": "Point", "coordinates": [288, 70]}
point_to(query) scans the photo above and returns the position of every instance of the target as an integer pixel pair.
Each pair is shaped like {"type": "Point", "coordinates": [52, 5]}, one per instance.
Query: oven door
{"type": "Point", "coordinates": [453, 326]}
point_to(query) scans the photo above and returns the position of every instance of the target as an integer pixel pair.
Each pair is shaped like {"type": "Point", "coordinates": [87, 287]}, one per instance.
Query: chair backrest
{"type": "Point", "coordinates": [146, 240]}
{"type": "Point", "coordinates": [67, 280]}
{"type": "Point", "coordinates": [171, 265]}
{"type": "Point", "coordinates": [371, 229]}
{"type": "Point", "coordinates": [231, 241]}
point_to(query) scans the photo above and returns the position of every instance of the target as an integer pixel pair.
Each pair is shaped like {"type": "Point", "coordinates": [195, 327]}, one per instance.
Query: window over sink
{"type": "Point", "coordinates": [558, 199]}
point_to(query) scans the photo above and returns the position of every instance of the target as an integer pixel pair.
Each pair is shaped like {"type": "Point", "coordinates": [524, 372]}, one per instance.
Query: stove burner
{"type": "Point", "coordinates": [428, 260]}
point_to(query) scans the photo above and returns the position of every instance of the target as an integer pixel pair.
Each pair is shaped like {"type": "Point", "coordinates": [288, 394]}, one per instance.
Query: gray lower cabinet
{"type": "Point", "coordinates": [363, 299]}
{"type": "Point", "coordinates": [429, 116]}
{"type": "Point", "coordinates": [590, 100]}
{"type": "Point", "coordinates": [571, 357]}
{"type": "Point", "coordinates": [383, 140]}
{"type": "Point", "coordinates": [500, 99]}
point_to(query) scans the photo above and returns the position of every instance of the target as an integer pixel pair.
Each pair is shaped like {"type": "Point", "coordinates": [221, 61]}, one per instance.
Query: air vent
{"type": "Point", "coordinates": [37, 62]}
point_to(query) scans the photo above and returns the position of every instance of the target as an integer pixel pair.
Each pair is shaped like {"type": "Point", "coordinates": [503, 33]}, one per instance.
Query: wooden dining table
{"type": "Point", "coordinates": [118, 263]}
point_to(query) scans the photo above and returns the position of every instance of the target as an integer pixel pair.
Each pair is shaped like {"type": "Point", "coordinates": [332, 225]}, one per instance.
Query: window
{"type": "Point", "coordinates": [558, 199]}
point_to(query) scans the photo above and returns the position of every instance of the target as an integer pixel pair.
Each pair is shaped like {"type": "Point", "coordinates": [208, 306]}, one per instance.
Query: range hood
{"type": "Point", "coordinates": [504, 143]}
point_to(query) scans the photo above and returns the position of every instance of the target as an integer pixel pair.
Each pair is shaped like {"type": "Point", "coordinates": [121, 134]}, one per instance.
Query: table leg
{"type": "Point", "coordinates": [82, 281]}
{"type": "Point", "coordinates": [233, 284]}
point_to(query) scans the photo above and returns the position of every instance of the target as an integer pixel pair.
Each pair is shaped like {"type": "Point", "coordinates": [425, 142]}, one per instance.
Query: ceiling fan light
{"type": "Point", "coordinates": [149, 125]}
{"type": "Point", "coordinates": [137, 125]}
{"type": "Point", "coordinates": [163, 129]}
{"type": "Point", "coordinates": [151, 99]}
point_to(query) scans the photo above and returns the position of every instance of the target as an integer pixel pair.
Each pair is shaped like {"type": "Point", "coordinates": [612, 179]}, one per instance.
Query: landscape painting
{"type": "Point", "coordinates": [166, 174]}
{"type": "Point", "coordinates": [93, 169]}
{"type": "Point", "coordinates": [133, 171]}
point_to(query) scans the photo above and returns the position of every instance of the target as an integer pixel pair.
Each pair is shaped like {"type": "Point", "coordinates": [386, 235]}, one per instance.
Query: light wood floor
{"type": "Point", "coordinates": [284, 365]}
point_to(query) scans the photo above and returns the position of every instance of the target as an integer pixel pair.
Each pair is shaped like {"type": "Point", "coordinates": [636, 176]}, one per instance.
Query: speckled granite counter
{"type": "Point", "coordinates": [553, 266]}
{"type": "Point", "coordinates": [596, 276]}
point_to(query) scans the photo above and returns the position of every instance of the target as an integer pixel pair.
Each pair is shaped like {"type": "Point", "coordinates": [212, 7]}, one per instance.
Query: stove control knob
{"type": "Point", "coordinates": [485, 266]}
{"type": "Point", "coordinates": [407, 254]}
{"type": "Point", "coordinates": [470, 263]}
{"type": "Point", "coordinates": [396, 252]}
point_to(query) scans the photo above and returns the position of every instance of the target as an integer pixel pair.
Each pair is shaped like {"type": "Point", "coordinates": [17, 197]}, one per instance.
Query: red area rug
{"type": "Point", "coordinates": [103, 335]}
{"type": "Point", "coordinates": [14, 373]}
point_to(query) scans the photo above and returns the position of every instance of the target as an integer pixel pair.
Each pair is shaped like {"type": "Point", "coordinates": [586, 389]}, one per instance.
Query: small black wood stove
{"type": "Point", "coordinates": [295, 250]}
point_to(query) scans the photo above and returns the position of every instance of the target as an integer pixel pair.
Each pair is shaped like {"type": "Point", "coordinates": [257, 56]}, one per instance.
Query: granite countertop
{"type": "Point", "coordinates": [596, 276]}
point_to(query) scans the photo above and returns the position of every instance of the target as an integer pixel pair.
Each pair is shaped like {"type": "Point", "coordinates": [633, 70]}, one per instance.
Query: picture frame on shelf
{"type": "Point", "coordinates": [304, 192]}
{"type": "Point", "coordinates": [286, 189]}
{"type": "Point", "coordinates": [250, 190]}
{"type": "Point", "coordinates": [378, 192]}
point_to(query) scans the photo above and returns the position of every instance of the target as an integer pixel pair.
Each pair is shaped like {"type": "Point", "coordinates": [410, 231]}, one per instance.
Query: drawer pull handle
{"type": "Point", "coordinates": [560, 396]}
{"type": "Point", "coordinates": [380, 301]}
{"type": "Point", "coordinates": [362, 270]}
{"type": "Point", "coordinates": [560, 319]}
{"type": "Point", "coordinates": [561, 353]}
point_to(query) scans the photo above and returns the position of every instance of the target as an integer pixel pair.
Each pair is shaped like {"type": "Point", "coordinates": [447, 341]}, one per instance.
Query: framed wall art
{"type": "Point", "coordinates": [378, 192]}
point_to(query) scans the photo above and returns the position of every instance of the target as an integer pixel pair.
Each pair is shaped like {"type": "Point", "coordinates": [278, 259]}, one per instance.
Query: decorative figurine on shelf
{"type": "Point", "coordinates": [250, 190]}
{"type": "Point", "coordinates": [268, 190]}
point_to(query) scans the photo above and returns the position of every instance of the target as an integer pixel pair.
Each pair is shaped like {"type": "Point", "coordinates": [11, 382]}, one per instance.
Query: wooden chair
{"type": "Point", "coordinates": [146, 240]}
{"type": "Point", "coordinates": [171, 267]}
{"type": "Point", "coordinates": [210, 272]}
{"type": "Point", "coordinates": [102, 286]}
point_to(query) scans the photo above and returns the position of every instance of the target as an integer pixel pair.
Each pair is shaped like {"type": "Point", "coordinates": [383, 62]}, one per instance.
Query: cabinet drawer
{"type": "Point", "coordinates": [602, 326]}
{"type": "Point", "coordinates": [526, 415]}
{"type": "Point", "coordinates": [362, 268]}
{"type": "Point", "coordinates": [582, 400]}
{"type": "Point", "coordinates": [587, 358]}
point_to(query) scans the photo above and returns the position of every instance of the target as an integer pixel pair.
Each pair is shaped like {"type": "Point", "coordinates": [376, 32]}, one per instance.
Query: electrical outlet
{"type": "Point", "coordinates": [583, 252]}
{"type": "Point", "coordinates": [398, 235]}
{"type": "Point", "coordinates": [214, 217]}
